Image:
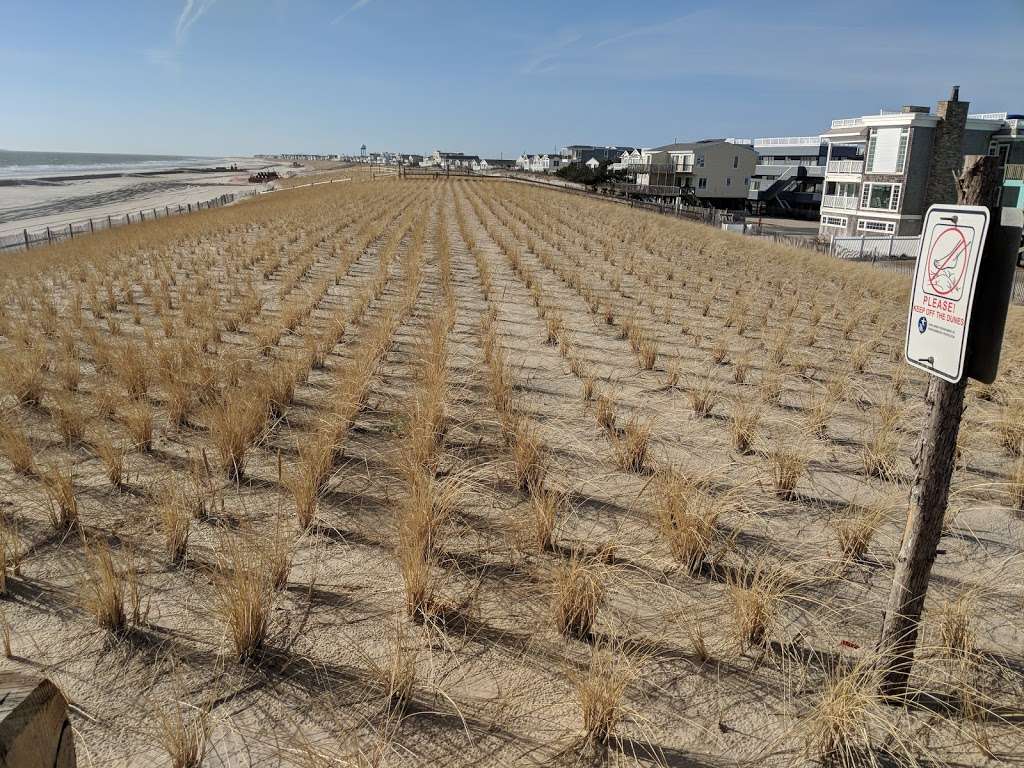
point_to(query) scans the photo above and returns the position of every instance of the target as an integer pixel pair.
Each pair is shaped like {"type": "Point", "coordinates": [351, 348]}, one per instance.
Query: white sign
{"type": "Point", "coordinates": [944, 281]}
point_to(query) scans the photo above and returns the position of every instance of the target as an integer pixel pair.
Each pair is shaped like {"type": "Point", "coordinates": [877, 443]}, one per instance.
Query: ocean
{"type": "Point", "coordinates": [33, 165]}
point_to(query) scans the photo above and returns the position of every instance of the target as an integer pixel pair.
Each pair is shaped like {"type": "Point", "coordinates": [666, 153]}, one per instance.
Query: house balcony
{"type": "Point", "coordinates": [845, 167]}
{"type": "Point", "coordinates": [663, 168]}
{"type": "Point", "coordinates": [842, 202]}
{"type": "Point", "coordinates": [771, 170]}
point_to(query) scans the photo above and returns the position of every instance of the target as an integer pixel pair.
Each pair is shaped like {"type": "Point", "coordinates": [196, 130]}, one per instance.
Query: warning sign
{"type": "Point", "coordinates": [944, 281]}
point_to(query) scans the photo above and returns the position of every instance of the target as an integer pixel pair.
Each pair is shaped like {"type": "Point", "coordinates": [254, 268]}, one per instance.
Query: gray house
{"type": "Point", "coordinates": [789, 177]}
{"type": "Point", "coordinates": [885, 170]}
{"type": "Point", "coordinates": [715, 171]}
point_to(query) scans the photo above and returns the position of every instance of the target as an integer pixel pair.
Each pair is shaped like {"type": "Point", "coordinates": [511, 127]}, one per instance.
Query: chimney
{"type": "Point", "coordinates": [947, 149]}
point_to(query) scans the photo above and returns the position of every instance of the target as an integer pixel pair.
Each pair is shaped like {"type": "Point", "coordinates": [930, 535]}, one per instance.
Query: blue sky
{"type": "Point", "coordinates": [219, 77]}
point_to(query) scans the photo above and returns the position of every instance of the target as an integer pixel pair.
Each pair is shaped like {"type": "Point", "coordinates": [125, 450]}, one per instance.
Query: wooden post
{"type": "Point", "coordinates": [979, 184]}
{"type": "Point", "coordinates": [27, 244]}
{"type": "Point", "coordinates": [71, 232]}
{"type": "Point", "coordinates": [92, 227]}
{"type": "Point", "coordinates": [49, 237]}
{"type": "Point", "coordinates": [34, 726]}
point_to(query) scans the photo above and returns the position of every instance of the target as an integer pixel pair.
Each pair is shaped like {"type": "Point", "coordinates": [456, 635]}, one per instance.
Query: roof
{"type": "Point", "coordinates": [683, 146]}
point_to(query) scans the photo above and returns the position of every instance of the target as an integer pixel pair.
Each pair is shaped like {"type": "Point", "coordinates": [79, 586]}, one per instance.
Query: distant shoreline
{"type": "Point", "coordinates": [44, 180]}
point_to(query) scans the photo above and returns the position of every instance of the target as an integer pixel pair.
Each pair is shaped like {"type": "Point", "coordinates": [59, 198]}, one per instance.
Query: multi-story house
{"type": "Point", "coordinates": [789, 177]}
{"type": "Point", "coordinates": [540, 163]}
{"type": "Point", "coordinates": [1008, 146]}
{"type": "Point", "coordinates": [582, 153]}
{"type": "Point", "coordinates": [885, 170]}
{"type": "Point", "coordinates": [715, 171]}
{"type": "Point", "coordinates": [439, 159]}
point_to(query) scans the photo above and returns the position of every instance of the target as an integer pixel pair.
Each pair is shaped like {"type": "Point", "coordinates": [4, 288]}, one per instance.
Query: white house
{"type": "Point", "coordinates": [441, 159]}
{"type": "Point", "coordinates": [593, 163]}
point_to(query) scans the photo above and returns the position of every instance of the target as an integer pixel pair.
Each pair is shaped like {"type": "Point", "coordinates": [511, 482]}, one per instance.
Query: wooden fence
{"type": "Point", "coordinates": [27, 239]}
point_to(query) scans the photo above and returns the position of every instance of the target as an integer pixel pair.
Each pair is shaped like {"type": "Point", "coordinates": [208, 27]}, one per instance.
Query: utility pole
{"type": "Point", "coordinates": [978, 184]}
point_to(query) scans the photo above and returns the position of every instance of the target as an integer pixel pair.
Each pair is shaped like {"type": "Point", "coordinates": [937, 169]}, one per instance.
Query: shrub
{"type": "Point", "coordinates": [139, 421]}
{"type": "Point", "coordinates": [686, 515]}
{"type": "Point", "coordinates": [605, 412]}
{"type": "Point", "coordinates": [631, 445]}
{"type": "Point", "coordinates": [112, 457]}
{"type": "Point", "coordinates": [69, 419]}
{"type": "Point", "coordinates": [21, 374]}
{"type": "Point", "coordinates": [175, 512]}
{"type": "Point", "coordinates": [839, 726]}
{"type": "Point", "coordinates": [243, 598]}
{"type": "Point", "coordinates": [544, 508]}
{"type": "Point", "coordinates": [756, 601]}
{"type": "Point", "coordinates": [855, 532]}
{"type": "Point", "coordinates": [788, 464]}
{"type": "Point", "coordinates": [235, 422]}
{"type": "Point", "coordinates": [600, 690]}
{"type": "Point", "coordinates": [743, 425]}
{"type": "Point", "coordinates": [104, 590]}
{"type": "Point", "coordinates": [528, 456]}
{"type": "Point", "coordinates": [184, 739]}
{"type": "Point", "coordinates": [63, 509]}
{"type": "Point", "coordinates": [16, 447]}
{"type": "Point", "coordinates": [579, 593]}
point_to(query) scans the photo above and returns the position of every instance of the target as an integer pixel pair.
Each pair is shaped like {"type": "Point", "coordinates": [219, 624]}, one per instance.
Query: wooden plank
{"type": "Point", "coordinates": [34, 728]}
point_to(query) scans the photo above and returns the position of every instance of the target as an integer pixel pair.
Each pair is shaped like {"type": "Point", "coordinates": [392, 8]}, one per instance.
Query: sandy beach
{"type": "Point", "coordinates": [48, 203]}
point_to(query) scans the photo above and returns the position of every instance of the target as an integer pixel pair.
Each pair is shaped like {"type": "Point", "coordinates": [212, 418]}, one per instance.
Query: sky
{"type": "Point", "coordinates": [238, 77]}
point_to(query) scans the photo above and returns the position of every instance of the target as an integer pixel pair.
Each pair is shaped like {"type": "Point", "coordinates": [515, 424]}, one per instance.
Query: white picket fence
{"type": "Point", "coordinates": [875, 247]}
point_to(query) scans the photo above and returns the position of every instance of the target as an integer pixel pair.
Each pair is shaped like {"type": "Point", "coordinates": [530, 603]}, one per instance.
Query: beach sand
{"type": "Point", "coordinates": [34, 206]}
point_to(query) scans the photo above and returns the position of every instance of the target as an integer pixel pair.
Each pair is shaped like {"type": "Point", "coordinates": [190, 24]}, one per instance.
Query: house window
{"type": "Point", "coordinates": [867, 225]}
{"type": "Point", "coordinates": [833, 221]}
{"type": "Point", "coordinates": [702, 183]}
{"type": "Point", "coordinates": [1002, 151]}
{"type": "Point", "coordinates": [735, 161]}
{"type": "Point", "coordinates": [728, 181]}
{"type": "Point", "coordinates": [700, 161]}
{"type": "Point", "coordinates": [881, 197]}
{"type": "Point", "coordinates": [887, 150]}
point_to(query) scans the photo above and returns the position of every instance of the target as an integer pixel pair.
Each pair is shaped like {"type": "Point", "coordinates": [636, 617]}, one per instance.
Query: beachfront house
{"type": "Point", "coordinates": [903, 162]}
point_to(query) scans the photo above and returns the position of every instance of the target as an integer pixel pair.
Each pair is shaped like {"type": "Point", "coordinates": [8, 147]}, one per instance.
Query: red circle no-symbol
{"type": "Point", "coordinates": [947, 261]}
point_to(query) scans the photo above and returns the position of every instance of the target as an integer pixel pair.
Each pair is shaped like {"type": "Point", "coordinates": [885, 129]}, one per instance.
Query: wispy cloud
{"type": "Point", "coordinates": [667, 27]}
{"type": "Point", "coordinates": [546, 57]}
{"type": "Point", "coordinates": [351, 9]}
{"type": "Point", "coordinates": [168, 58]}
{"type": "Point", "coordinates": [190, 14]}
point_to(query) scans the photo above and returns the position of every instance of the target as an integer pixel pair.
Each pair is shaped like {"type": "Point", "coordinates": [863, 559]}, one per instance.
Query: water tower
{"type": "Point", "coordinates": [362, 151]}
